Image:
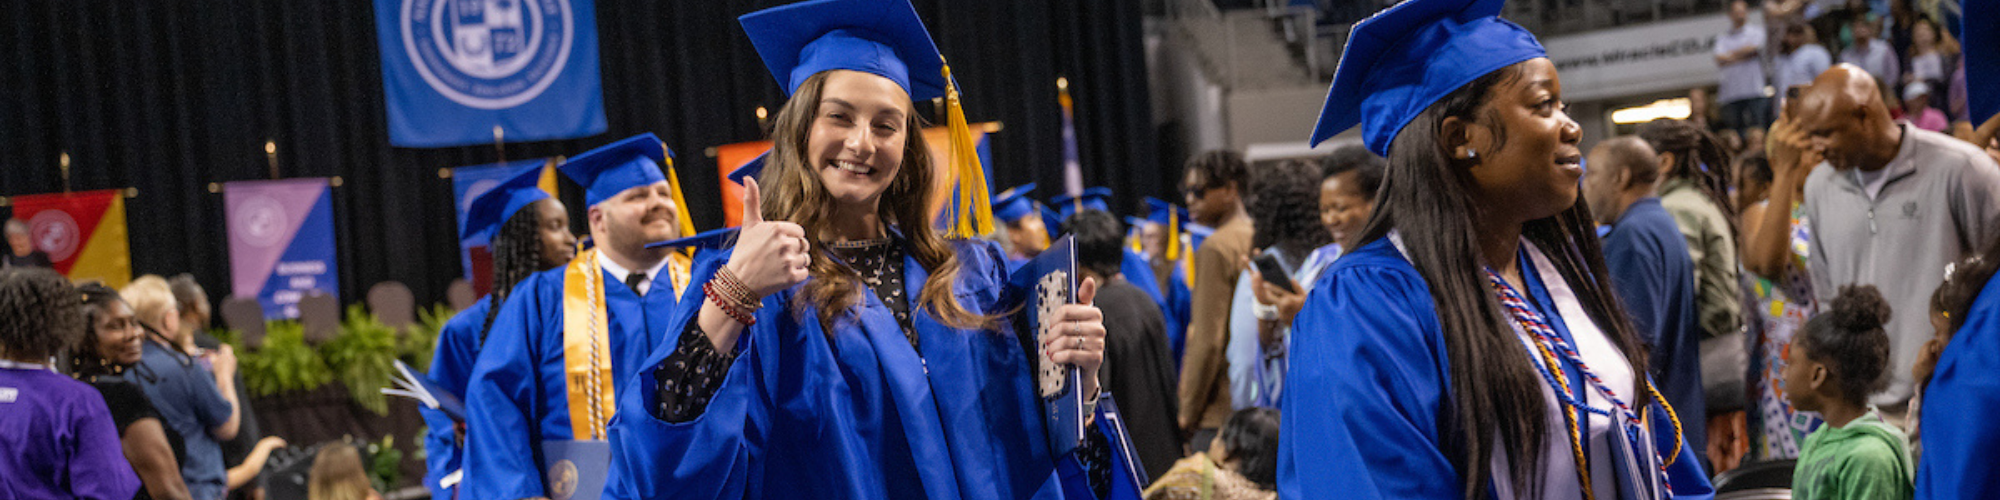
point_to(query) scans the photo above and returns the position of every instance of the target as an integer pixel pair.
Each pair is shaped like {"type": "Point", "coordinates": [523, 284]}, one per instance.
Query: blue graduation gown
{"type": "Point", "coordinates": [1957, 418]}
{"type": "Point", "coordinates": [1180, 307]}
{"type": "Point", "coordinates": [1361, 414]}
{"type": "Point", "coordinates": [451, 365]}
{"type": "Point", "coordinates": [503, 398]}
{"type": "Point", "coordinates": [858, 415]}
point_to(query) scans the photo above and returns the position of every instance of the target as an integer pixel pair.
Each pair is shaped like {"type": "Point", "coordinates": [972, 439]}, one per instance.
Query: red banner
{"type": "Point", "coordinates": [83, 233]}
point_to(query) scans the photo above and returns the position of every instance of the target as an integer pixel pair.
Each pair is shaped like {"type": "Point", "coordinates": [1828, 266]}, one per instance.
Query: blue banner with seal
{"type": "Point", "coordinates": [466, 72]}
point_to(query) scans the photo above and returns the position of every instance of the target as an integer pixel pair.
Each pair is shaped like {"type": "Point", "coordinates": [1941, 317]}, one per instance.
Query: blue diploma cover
{"type": "Point", "coordinates": [573, 469]}
{"type": "Point", "coordinates": [1045, 284]}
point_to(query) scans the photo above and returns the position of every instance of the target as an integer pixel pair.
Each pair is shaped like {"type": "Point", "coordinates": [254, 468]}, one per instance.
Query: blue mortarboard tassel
{"type": "Point", "coordinates": [1981, 26]}
{"type": "Point", "coordinates": [492, 209]}
{"type": "Point", "coordinates": [1404, 58]}
{"type": "Point", "coordinates": [1014, 204]}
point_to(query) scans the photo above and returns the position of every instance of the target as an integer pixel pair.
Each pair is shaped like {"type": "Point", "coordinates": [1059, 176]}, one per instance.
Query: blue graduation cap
{"type": "Point", "coordinates": [1982, 60]}
{"type": "Point", "coordinates": [1014, 204]}
{"type": "Point", "coordinates": [1404, 58]}
{"type": "Point", "coordinates": [884, 37]}
{"type": "Point", "coordinates": [494, 207]}
{"type": "Point", "coordinates": [749, 169]}
{"type": "Point", "coordinates": [1051, 222]}
{"type": "Point", "coordinates": [1172, 217]}
{"type": "Point", "coordinates": [1093, 198]}
{"type": "Point", "coordinates": [606, 171]}
{"type": "Point", "coordinates": [707, 240]}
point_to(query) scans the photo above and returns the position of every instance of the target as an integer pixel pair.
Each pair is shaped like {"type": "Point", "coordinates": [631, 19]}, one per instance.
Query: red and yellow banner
{"type": "Point", "coordinates": [82, 233]}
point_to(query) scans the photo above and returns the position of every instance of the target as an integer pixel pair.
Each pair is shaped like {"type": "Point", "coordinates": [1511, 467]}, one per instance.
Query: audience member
{"type": "Point", "coordinates": [1895, 206]}
{"type": "Point", "coordinates": [1775, 238]}
{"type": "Point", "coordinates": [1650, 267]}
{"type": "Point", "coordinates": [1213, 186]}
{"type": "Point", "coordinates": [21, 250]}
{"type": "Point", "coordinates": [1284, 209]}
{"type": "Point", "coordinates": [1871, 53]}
{"type": "Point", "coordinates": [1949, 306]}
{"type": "Point", "coordinates": [1138, 369]}
{"type": "Point", "coordinates": [1803, 59]}
{"type": "Point", "coordinates": [1243, 464]}
{"type": "Point", "coordinates": [338, 474]}
{"type": "Point", "coordinates": [1351, 177]}
{"type": "Point", "coordinates": [110, 346]}
{"type": "Point", "coordinates": [1694, 189]}
{"type": "Point", "coordinates": [193, 390]}
{"type": "Point", "coordinates": [1932, 53]}
{"type": "Point", "coordinates": [1917, 108]}
{"type": "Point", "coordinates": [57, 438]}
{"type": "Point", "coordinates": [1832, 368]}
{"type": "Point", "coordinates": [1739, 52]}
{"type": "Point", "coordinates": [245, 454]}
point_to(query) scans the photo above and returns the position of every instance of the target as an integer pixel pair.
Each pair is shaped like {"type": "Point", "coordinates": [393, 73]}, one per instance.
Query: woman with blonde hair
{"type": "Point", "coordinates": [337, 474]}
{"type": "Point", "coordinates": [194, 390]}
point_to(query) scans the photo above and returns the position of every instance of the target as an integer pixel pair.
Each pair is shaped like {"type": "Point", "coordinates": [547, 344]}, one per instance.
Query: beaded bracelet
{"type": "Point", "coordinates": [728, 306]}
{"type": "Point", "coordinates": [734, 289]}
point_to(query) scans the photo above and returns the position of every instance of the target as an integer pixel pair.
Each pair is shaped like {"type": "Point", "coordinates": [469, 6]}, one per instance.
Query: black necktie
{"type": "Point", "coordinates": [633, 281]}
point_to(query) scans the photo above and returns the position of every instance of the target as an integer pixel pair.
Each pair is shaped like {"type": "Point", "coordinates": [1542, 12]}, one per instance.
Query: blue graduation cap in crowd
{"type": "Point", "coordinates": [1404, 58]}
{"type": "Point", "coordinates": [1014, 204]}
{"type": "Point", "coordinates": [749, 169]}
{"type": "Point", "coordinates": [884, 37]}
{"type": "Point", "coordinates": [707, 240]}
{"type": "Point", "coordinates": [1051, 222]}
{"type": "Point", "coordinates": [1197, 233]}
{"type": "Point", "coordinates": [606, 171]}
{"type": "Point", "coordinates": [492, 208]}
{"type": "Point", "coordinates": [1982, 59]}
{"type": "Point", "coordinates": [1173, 218]}
{"type": "Point", "coordinates": [1093, 198]}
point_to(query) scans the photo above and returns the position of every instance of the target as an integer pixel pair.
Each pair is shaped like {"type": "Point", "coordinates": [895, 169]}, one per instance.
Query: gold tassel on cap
{"type": "Point", "coordinates": [974, 212]}
{"type": "Point", "coordinates": [1173, 233]}
{"type": "Point", "coordinates": [680, 201]}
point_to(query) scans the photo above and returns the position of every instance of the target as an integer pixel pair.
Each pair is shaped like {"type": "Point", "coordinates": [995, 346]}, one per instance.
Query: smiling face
{"type": "Point", "coordinates": [118, 334]}
{"type": "Point", "coordinates": [1343, 209]}
{"type": "Point", "coordinates": [635, 217]}
{"type": "Point", "coordinates": [1528, 161]}
{"type": "Point", "coordinates": [857, 137]}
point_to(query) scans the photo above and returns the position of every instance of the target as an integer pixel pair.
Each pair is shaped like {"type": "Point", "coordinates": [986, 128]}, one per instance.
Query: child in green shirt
{"type": "Point", "coordinates": [1832, 367]}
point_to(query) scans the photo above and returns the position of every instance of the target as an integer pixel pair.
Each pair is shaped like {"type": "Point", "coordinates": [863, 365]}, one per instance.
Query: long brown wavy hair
{"type": "Point", "coordinates": [793, 192]}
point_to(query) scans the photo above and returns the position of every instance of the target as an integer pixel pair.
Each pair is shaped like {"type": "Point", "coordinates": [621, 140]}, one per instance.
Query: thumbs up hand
{"type": "Point", "coordinates": [770, 255]}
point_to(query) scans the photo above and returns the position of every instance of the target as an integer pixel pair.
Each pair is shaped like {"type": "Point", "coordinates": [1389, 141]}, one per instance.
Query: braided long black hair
{"type": "Point", "coordinates": [1698, 157]}
{"type": "Point", "coordinates": [517, 254]}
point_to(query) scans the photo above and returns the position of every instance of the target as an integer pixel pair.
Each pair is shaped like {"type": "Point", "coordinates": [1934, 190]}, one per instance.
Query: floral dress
{"type": "Point", "coordinates": [1782, 308]}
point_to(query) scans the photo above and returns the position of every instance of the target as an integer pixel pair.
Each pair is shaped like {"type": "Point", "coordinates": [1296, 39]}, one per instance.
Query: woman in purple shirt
{"type": "Point", "coordinates": [56, 436]}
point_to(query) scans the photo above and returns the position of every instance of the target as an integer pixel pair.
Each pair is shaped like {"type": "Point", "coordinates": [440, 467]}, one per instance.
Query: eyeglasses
{"type": "Point", "coordinates": [1196, 191]}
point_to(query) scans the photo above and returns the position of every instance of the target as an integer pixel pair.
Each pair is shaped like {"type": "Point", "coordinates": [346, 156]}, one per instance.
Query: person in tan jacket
{"type": "Point", "coordinates": [1212, 188]}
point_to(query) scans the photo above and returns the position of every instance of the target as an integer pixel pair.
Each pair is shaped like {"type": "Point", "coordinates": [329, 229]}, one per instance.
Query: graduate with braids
{"type": "Point", "coordinates": [1475, 347]}
{"type": "Point", "coordinates": [529, 233]}
{"type": "Point", "coordinates": [844, 348]}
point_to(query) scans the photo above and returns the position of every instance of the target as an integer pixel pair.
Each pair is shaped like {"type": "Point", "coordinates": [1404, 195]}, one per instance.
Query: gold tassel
{"type": "Point", "coordinates": [974, 212]}
{"type": "Point", "coordinates": [680, 201]}
{"type": "Point", "coordinates": [1173, 233]}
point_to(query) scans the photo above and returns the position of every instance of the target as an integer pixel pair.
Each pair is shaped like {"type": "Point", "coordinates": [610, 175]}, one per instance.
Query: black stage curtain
{"type": "Point", "coordinates": [170, 96]}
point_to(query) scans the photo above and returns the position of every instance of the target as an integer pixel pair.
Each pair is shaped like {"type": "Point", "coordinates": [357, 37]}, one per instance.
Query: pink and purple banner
{"type": "Point", "coordinates": [281, 242]}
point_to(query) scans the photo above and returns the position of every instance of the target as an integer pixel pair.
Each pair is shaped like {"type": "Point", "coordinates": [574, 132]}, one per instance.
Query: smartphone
{"type": "Point", "coordinates": [1273, 272]}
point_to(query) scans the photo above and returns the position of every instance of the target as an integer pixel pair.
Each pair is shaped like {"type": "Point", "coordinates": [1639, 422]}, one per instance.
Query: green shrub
{"type": "Point", "coordinates": [363, 356]}
{"type": "Point", "coordinates": [284, 364]}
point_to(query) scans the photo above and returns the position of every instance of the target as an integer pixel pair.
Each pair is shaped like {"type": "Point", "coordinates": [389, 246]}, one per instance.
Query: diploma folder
{"type": "Point", "coordinates": [410, 384]}
{"type": "Point", "coordinates": [1041, 286]}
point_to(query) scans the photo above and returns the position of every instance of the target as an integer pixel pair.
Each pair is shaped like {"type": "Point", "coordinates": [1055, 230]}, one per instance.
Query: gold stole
{"type": "Point", "coordinates": [587, 341]}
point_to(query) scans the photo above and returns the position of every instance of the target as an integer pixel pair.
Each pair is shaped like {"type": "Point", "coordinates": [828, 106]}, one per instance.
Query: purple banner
{"type": "Point", "coordinates": [281, 242]}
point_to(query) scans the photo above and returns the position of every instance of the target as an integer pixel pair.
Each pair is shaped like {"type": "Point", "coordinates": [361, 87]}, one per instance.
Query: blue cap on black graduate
{"type": "Point", "coordinates": [1404, 58]}
{"type": "Point", "coordinates": [1093, 198]}
{"type": "Point", "coordinates": [1014, 204]}
{"type": "Point", "coordinates": [492, 208]}
{"type": "Point", "coordinates": [884, 37]}
{"type": "Point", "coordinates": [606, 171]}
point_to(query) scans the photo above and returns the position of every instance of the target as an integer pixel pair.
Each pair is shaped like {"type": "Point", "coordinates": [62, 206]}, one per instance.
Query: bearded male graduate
{"type": "Point", "coordinates": [541, 390]}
